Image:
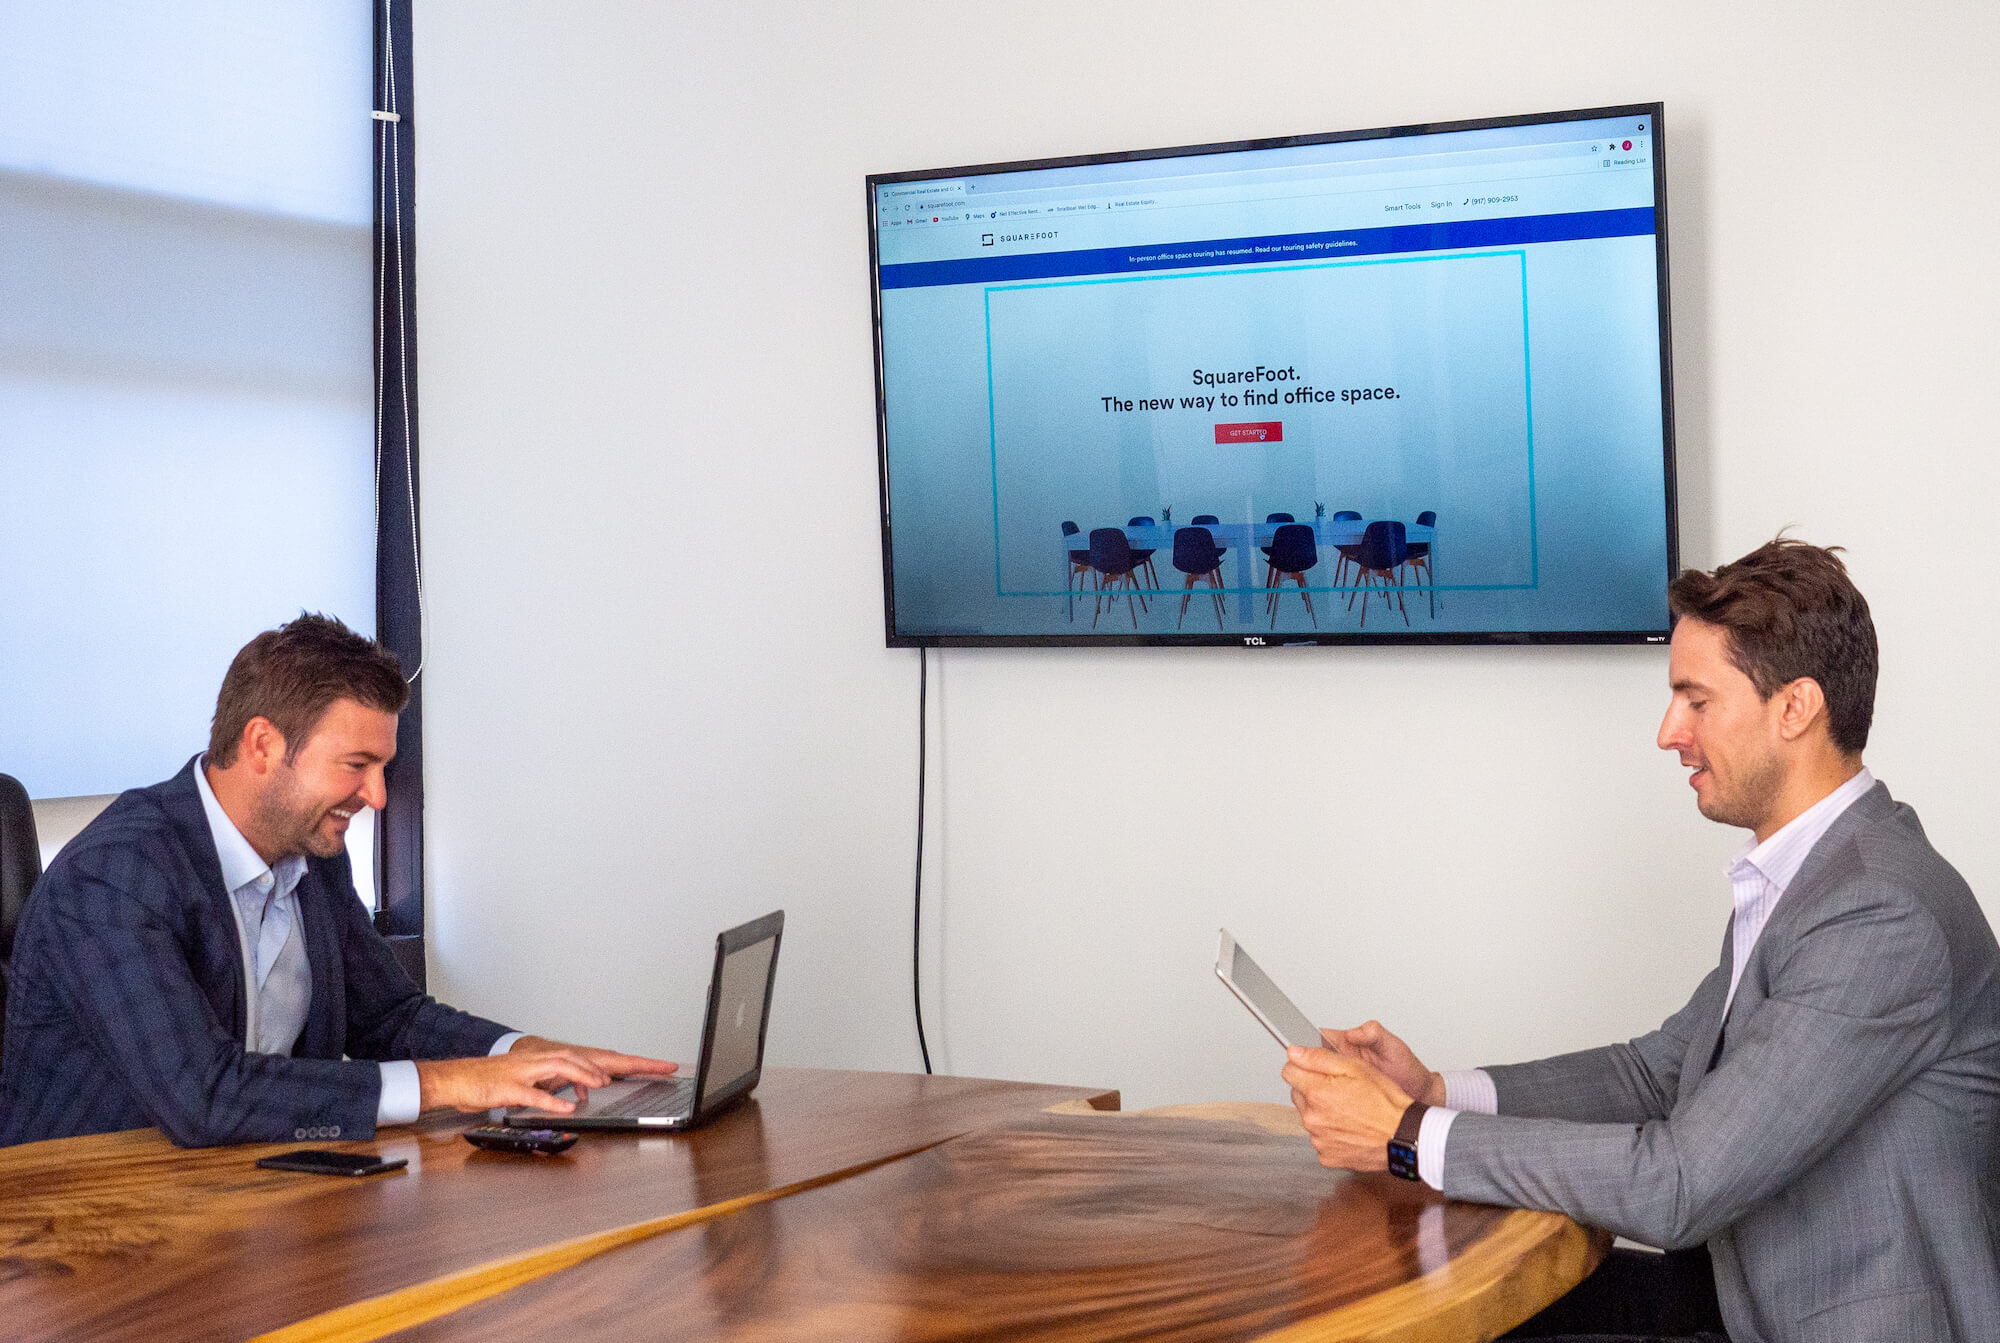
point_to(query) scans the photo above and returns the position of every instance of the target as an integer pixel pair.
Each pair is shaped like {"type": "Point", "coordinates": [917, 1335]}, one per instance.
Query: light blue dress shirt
{"type": "Point", "coordinates": [264, 898]}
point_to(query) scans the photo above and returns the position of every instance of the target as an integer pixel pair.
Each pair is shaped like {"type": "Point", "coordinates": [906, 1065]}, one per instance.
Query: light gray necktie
{"type": "Point", "coordinates": [285, 997]}
{"type": "Point", "coordinates": [281, 993]}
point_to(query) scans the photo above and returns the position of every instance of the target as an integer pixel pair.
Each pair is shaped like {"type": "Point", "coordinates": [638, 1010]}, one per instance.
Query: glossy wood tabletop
{"type": "Point", "coordinates": [123, 1236]}
{"type": "Point", "coordinates": [1206, 1223]}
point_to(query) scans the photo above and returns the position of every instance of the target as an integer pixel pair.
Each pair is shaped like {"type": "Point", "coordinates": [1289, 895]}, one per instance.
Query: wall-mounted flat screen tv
{"type": "Point", "coordinates": [1408, 385]}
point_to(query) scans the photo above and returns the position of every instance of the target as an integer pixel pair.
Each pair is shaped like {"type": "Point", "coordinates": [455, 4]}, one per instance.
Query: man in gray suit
{"type": "Point", "coordinates": [1821, 1116]}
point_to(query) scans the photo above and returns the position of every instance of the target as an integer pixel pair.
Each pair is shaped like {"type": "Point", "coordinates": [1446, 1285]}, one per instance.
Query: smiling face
{"type": "Point", "coordinates": [1723, 730]}
{"type": "Point", "coordinates": [307, 801]}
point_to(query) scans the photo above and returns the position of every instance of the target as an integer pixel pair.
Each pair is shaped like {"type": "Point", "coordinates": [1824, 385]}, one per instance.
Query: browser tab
{"type": "Point", "coordinates": [907, 193]}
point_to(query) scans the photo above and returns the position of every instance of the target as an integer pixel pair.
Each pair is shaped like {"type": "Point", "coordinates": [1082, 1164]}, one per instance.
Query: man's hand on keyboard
{"type": "Point", "coordinates": [527, 1073]}
{"type": "Point", "coordinates": [608, 1060]}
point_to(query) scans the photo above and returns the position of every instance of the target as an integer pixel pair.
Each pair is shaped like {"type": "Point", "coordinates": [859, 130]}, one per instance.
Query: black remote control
{"type": "Point", "coordinates": [535, 1141]}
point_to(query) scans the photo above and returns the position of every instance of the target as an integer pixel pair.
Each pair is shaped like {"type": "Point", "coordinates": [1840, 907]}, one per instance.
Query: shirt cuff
{"type": "Point", "coordinates": [1471, 1089]}
{"type": "Point", "coordinates": [402, 1094]}
{"type": "Point", "coordinates": [1431, 1135]}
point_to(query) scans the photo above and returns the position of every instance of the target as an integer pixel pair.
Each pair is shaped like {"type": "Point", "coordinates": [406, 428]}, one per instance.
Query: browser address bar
{"type": "Point", "coordinates": [1122, 197]}
{"type": "Point", "coordinates": [1314, 176]}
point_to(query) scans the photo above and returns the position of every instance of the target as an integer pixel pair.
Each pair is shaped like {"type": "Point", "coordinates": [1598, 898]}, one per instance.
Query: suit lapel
{"type": "Point", "coordinates": [181, 801]}
{"type": "Point", "coordinates": [1872, 806]}
{"type": "Point", "coordinates": [325, 1030]}
{"type": "Point", "coordinates": [1704, 1047]}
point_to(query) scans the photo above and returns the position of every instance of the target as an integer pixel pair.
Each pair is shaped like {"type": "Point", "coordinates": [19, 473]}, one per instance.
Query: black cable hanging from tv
{"type": "Point", "coordinates": [917, 918]}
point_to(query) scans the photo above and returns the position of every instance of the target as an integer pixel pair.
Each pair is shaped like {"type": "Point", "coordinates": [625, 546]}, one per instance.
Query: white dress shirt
{"type": "Point", "coordinates": [264, 899]}
{"type": "Point", "coordinates": [1758, 877]}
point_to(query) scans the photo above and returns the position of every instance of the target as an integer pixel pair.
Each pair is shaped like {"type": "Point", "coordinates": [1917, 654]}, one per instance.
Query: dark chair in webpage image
{"type": "Point", "coordinates": [1270, 518]}
{"type": "Point", "coordinates": [1381, 555]}
{"type": "Point", "coordinates": [1293, 552]}
{"type": "Point", "coordinates": [1195, 555]}
{"type": "Point", "coordinates": [1079, 571]}
{"type": "Point", "coordinates": [1111, 557]}
{"type": "Point", "coordinates": [1346, 552]}
{"type": "Point", "coordinates": [1209, 520]}
{"type": "Point", "coordinates": [1144, 558]}
{"type": "Point", "coordinates": [1420, 558]}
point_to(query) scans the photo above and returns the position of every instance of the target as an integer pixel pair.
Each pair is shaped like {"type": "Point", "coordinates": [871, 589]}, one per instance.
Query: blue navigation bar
{"type": "Point", "coordinates": [1439, 237]}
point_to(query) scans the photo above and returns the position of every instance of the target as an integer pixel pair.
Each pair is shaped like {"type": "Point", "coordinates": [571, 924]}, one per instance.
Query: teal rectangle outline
{"type": "Point", "coordinates": [1527, 376]}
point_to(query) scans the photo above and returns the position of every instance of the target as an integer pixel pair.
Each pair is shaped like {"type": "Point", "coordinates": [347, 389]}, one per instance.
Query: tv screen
{"type": "Point", "coordinates": [1399, 385]}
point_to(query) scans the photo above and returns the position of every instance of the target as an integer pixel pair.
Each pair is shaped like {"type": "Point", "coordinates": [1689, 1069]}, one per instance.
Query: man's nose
{"type": "Point", "coordinates": [1672, 731]}
{"type": "Point", "coordinates": [375, 789]}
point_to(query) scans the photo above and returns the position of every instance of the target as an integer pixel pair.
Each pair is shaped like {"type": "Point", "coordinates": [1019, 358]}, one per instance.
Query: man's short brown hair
{"type": "Point", "coordinates": [293, 674]}
{"type": "Point", "coordinates": [1789, 611]}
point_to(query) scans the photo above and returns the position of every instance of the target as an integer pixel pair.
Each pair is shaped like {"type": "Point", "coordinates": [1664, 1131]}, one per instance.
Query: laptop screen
{"type": "Point", "coordinates": [739, 1018]}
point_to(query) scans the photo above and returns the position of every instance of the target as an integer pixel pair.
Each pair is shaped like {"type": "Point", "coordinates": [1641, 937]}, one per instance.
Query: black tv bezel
{"type": "Point", "coordinates": [1656, 111]}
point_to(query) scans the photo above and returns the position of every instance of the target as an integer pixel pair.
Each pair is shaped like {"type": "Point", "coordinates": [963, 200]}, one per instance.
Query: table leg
{"type": "Point", "coordinates": [1243, 573]}
{"type": "Point", "coordinates": [1431, 572]}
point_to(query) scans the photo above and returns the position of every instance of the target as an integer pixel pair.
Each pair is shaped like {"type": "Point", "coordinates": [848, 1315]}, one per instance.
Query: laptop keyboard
{"type": "Point", "coordinates": [655, 1098]}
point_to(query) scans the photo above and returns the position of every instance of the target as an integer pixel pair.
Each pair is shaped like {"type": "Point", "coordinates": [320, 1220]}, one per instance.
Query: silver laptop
{"type": "Point", "coordinates": [732, 1048]}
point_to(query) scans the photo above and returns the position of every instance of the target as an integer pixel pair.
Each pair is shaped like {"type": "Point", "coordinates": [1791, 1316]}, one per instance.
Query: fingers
{"type": "Point", "coordinates": [518, 1093]}
{"type": "Point", "coordinates": [579, 1072]}
{"type": "Point", "coordinates": [531, 1072]}
{"type": "Point", "coordinates": [1323, 1061]}
{"type": "Point", "coordinates": [474, 1092]}
{"type": "Point", "coordinates": [633, 1065]}
{"type": "Point", "coordinates": [1367, 1039]}
{"type": "Point", "coordinates": [610, 1061]}
{"type": "Point", "coordinates": [1306, 1081]}
{"type": "Point", "coordinates": [1341, 1042]}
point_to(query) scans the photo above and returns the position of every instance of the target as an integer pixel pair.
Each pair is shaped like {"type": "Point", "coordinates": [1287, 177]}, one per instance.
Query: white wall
{"type": "Point", "coordinates": [644, 303]}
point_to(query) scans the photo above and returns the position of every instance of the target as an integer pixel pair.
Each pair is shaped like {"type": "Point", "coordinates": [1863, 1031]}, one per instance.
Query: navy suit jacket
{"type": "Point", "coordinates": [126, 1004]}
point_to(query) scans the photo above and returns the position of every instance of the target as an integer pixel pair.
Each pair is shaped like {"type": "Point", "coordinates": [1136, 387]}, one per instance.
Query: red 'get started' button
{"type": "Point", "coordinates": [1263, 431]}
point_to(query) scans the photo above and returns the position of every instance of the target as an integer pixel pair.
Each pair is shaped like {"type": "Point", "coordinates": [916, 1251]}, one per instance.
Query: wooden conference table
{"type": "Point", "coordinates": [833, 1205]}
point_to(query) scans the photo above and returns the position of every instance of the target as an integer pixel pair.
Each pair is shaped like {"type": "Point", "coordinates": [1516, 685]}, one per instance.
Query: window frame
{"type": "Point", "coordinates": [399, 830]}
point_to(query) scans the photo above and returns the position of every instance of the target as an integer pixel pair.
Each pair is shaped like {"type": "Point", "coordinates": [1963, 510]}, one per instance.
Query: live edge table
{"type": "Point", "coordinates": [833, 1205]}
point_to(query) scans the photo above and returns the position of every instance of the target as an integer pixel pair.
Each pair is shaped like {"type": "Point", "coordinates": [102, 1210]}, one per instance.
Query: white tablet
{"type": "Point", "coordinates": [1266, 1001]}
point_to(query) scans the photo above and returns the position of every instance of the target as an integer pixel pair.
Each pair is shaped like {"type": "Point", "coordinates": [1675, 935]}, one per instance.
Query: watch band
{"type": "Point", "coordinates": [1403, 1147]}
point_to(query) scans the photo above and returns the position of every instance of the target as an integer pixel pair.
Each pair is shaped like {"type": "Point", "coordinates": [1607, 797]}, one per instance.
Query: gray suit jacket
{"type": "Point", "coordinates": [1839, 1158]}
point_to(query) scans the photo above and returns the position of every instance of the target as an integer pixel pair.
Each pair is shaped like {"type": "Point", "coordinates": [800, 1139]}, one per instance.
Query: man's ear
{"type": "Point", "coordinates": [262, 746]}
{"type": "Point", "coordinates": [1802, 704]}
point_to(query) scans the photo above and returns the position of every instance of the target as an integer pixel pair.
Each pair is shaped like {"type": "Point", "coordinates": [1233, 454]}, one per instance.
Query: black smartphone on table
{"type": "Point", "coordinates": [316, 1162]}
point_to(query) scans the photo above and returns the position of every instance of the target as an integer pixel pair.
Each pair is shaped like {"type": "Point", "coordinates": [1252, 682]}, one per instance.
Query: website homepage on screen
{"type": "Point", "coordinates": [1434, 359]}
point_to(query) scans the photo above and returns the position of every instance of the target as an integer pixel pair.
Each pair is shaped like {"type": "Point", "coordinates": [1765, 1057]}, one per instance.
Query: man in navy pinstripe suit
{"type": "Point", "coordinates": [198, 960]}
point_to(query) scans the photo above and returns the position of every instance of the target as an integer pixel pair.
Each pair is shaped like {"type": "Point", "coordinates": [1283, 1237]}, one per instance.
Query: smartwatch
{"type": "Point", "coordinates": [1403, 1147]}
